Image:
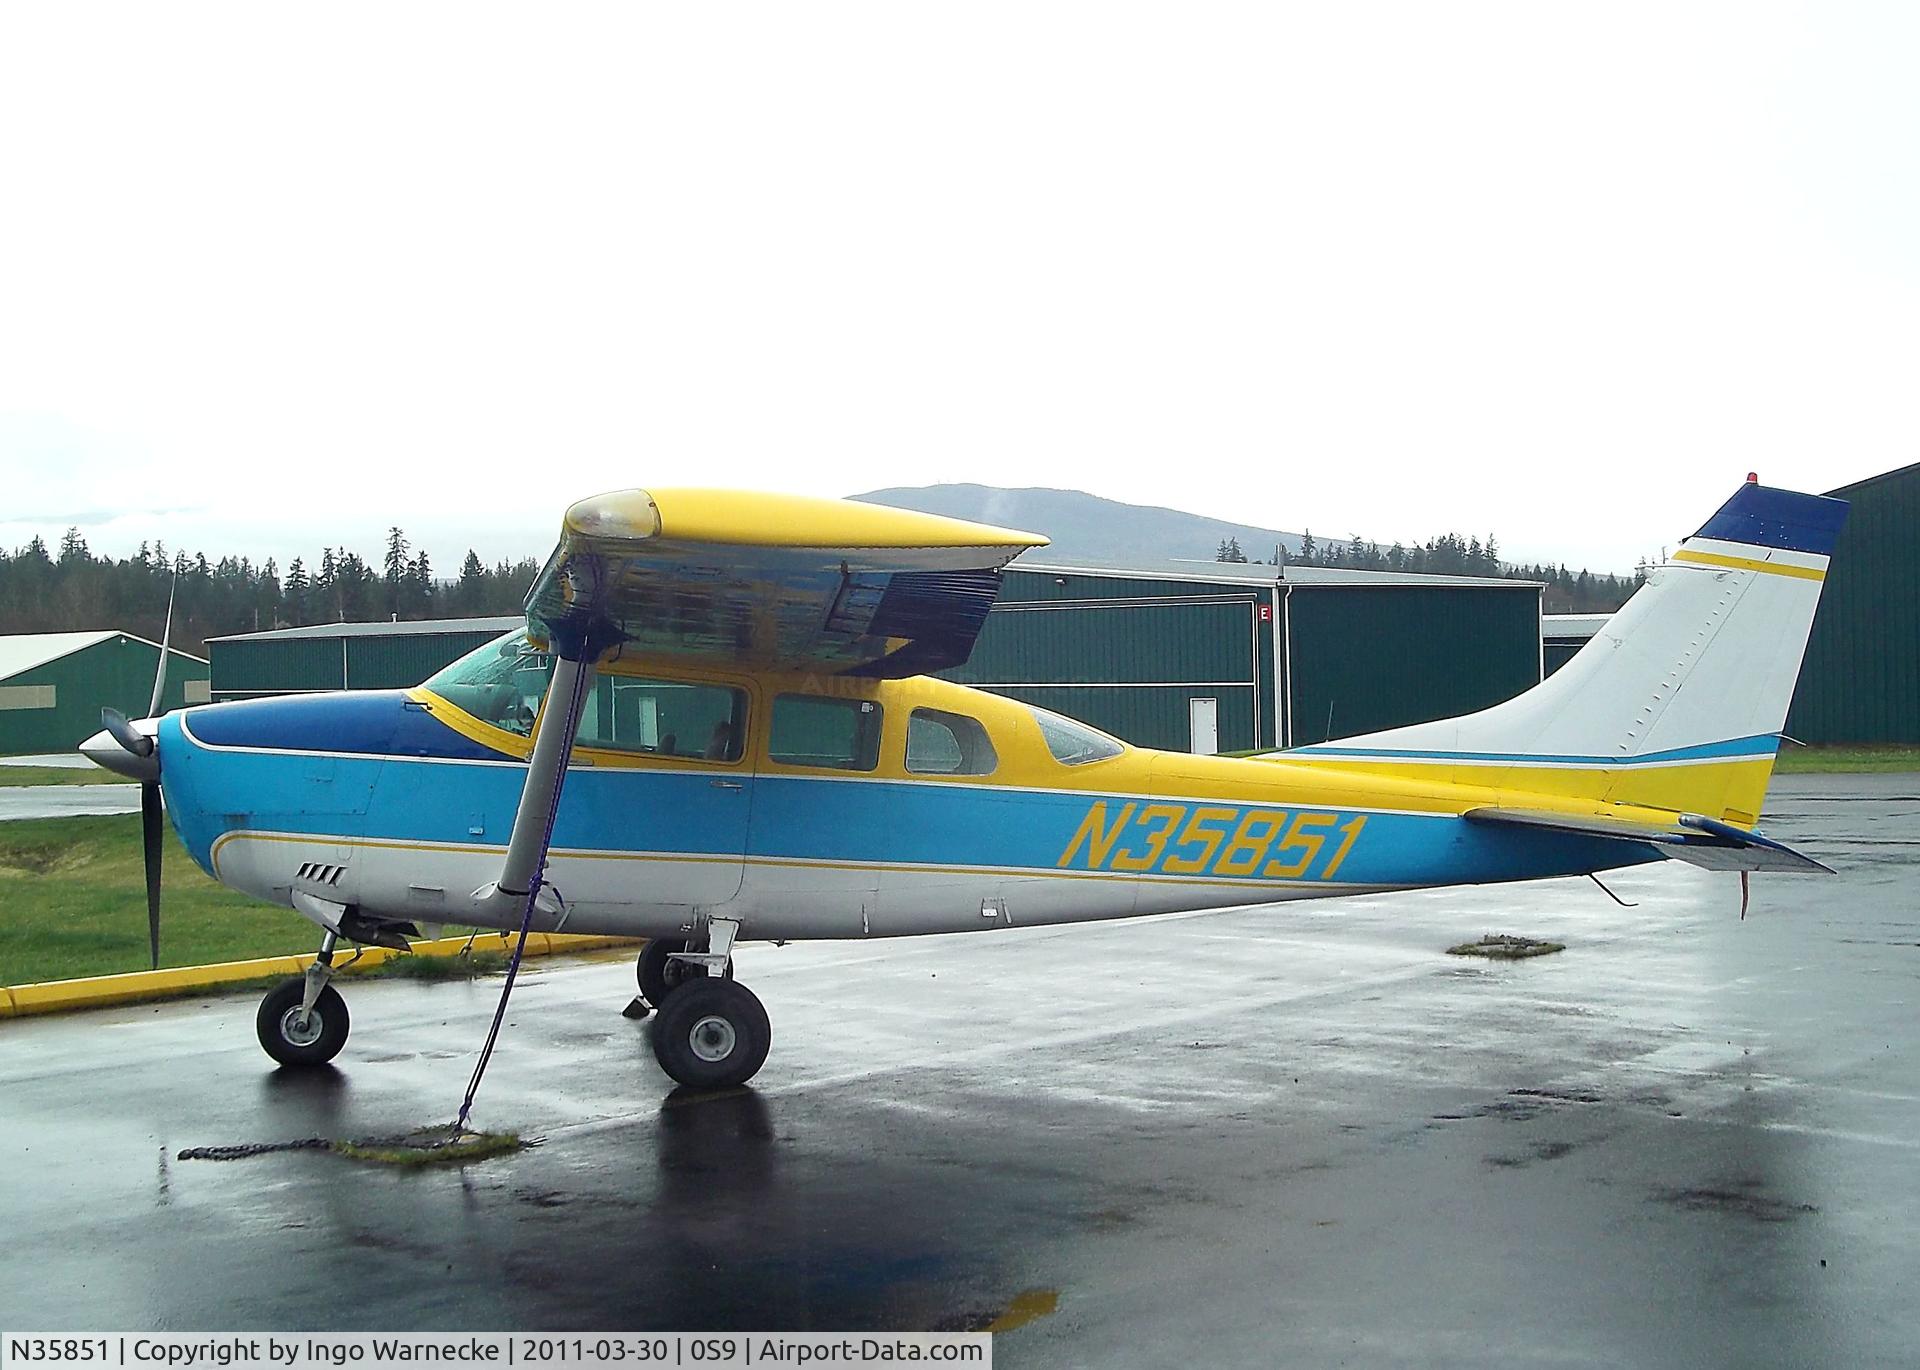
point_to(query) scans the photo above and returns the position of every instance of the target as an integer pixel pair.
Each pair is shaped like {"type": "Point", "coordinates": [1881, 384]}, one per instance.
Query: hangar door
{"type": "Point", "coordinates": [1132, 668]}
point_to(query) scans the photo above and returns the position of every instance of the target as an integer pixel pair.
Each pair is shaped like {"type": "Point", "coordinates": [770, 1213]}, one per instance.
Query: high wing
{"type": "Point", "coordinates": [772, 582]}
{"type": "Point", "coordinates": [1704, 842]}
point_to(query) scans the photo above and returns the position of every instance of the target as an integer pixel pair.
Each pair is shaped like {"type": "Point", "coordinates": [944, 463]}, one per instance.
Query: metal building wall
{"type": "Point", "coordinates": [1362, 659]}
{"type": "Point", "coordinates": [247, 667]}
{"type": "Point", "coordinates": [1128, 655]}
{"type": "Point", "coordinates": [1861, 679]}
{"type": "Point", "coordinates": [1556, 652]}
{"type": "Point", "coordinates": [394, 663]}
{"type": "Point", "coordinates": [116, 673]}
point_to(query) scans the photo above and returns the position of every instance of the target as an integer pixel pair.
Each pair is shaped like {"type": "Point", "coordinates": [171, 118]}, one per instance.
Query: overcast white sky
{"type": "Point", "coordinates": [277, 277]}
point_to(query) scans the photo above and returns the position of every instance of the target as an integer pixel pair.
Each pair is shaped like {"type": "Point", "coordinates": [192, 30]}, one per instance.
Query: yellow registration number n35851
{"type": "Point", "coordinates": [1215, 840]}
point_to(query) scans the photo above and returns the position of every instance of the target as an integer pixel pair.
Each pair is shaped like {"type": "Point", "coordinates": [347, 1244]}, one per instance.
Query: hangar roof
{"type": "Point", "coordinates": [385, 628]}
{"type": "Point", "coordinates": [1255, 573]}
{"type": "Point", "coordinates": [1572, 625]}
{"type": "Point", "coordinates": [24, 651]}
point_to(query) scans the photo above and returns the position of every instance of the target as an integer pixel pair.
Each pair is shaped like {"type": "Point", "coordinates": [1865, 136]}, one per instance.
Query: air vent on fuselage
{"type": "Point", "coordinates": [319, 873]}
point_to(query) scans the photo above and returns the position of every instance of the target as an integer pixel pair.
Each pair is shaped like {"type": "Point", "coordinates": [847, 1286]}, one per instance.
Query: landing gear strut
{"type": "Point", "coordinates": [660, 972]}
{"type": "Point", "coordinates": [304, 1021]}
{"type": "Point", "coordinates": [709, 1033]}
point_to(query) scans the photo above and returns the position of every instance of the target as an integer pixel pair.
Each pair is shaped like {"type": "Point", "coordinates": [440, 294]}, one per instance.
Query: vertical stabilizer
{"type": "Point", "coordinates": [1677, 703]}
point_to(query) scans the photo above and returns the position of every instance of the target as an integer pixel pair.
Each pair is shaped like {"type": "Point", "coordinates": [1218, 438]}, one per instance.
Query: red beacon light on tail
{"type": "Point", "coordinates": [1753, 478]}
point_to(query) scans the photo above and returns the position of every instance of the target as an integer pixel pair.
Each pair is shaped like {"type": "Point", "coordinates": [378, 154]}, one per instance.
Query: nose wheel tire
{"type": "Point", "coordinates": [297, 1039]}
{"type": "Point", "coordinates": [711, 1034]}
{"type": "Point", "coordinates": [660, 977]}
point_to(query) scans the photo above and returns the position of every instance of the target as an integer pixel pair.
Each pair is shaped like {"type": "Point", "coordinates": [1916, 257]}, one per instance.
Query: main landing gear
{"type": "Point", "coordinates": [660, 969]}
{"type": "Point", "coordinates": [708, 1031]}
{"type": "Point", "coordinates": [304, 1021]}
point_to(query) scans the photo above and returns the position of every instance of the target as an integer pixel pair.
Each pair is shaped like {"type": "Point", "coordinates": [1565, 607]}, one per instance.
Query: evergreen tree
{"type": "Point", "coordinates": [294, 597]}
{"type": "Point", "coordinates": [396, 570]}
{"type": "Point", "coordinates": [470, 595]}
{"type": "Point", "coordinates": [419, 587]}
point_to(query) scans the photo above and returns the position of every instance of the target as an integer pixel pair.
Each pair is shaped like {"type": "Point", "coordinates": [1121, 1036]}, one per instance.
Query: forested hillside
{"type": "Point", "coordinates": [71, 589]}
{"type": "Point", "coordinates": [1567, 592]}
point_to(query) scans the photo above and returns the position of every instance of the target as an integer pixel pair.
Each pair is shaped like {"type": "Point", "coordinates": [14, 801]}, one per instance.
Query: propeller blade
{"type": "Point", "coordinates": [150, 851]}
{"type": "Point", "coordinates": [166, 642]}
{"type": "Point", "coordinates": [123, 732]}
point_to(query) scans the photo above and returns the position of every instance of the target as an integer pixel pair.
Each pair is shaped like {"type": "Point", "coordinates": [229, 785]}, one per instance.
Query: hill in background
{"type": "Point", "coordinates": [1087, 528]}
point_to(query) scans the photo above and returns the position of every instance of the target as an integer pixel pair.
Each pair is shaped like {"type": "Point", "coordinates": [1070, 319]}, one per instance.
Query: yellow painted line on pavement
{"type": "Point", "coordinates": [103, 991]}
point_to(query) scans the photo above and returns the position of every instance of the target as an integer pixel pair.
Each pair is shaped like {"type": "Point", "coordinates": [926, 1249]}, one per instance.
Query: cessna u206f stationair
{"type": "Point", "coordinates": [756, 752]}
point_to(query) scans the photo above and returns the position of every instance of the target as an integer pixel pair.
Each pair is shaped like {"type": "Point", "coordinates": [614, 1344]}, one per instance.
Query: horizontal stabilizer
{"type": "Point", "coordinates": [1705, 842]}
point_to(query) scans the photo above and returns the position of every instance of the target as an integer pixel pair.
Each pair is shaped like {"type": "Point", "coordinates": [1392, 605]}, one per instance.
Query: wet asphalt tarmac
{"type": "Point", "coordinates": [64, 801]}
{"type": "Point", "coordinates": [1299, 1136]}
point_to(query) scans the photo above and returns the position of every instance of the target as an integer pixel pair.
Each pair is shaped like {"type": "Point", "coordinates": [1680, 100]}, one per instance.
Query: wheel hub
{"type": "Point", "coordinates": [712, 1038]}
{"type": "Point", "coordinates": [300, 1029]}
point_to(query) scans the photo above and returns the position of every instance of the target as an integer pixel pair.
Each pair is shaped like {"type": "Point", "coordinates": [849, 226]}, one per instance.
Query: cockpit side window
{"type": "Point", "coordinates": [504, 682]}
{"type": "Point", "coordinates": [500, 683]}
{"type": "Point", "coordinates": [688, 719]}
{"type": "Point", "coordinates": [942, 743]}
{"type": "Point", "coordinates": [810, 730]}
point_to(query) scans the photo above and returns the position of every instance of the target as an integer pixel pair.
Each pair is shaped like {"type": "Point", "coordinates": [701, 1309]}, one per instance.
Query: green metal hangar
{"type": "Point", "coordinates": [344, 656]}
{"type": "Point", "coordinates": [1226, 658]}
{"type": "Point", "coordinates": [53, 685]}
{"type": "Point", "coordinates": [1231, 656]}
{"type": "Point", "coordinates": [1860, 685]}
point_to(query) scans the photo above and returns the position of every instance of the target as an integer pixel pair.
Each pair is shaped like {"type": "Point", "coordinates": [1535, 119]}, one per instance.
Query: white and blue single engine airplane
{"type": "Point", "coordinates": [718, 725]}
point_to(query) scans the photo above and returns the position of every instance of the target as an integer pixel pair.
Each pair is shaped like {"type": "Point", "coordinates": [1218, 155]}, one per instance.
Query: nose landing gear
{"type": "Point", "coordinates": [304, 1021]}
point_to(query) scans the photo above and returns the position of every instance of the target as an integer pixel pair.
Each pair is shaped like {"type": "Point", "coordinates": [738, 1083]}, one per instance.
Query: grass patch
{"type": "Point", "coordinates": [1846, 760]}
{"type": "Point", "coordinates": [465, 965]}
{"type": "Point", "coordinates": [1501, 946]}
{"type": "Point", "coordinates": [73, 902]}
{"type": "Point", "coordinates": [59, 775]}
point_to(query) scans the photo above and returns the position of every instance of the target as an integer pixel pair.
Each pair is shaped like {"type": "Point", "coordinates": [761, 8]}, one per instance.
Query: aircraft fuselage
{"type": "Point", "coordinates": [399, 805]}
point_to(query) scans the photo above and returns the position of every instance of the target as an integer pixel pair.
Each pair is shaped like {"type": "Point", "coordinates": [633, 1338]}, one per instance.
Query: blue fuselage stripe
{"type": "Point", "coordinates": [1739, 748]}
{"type": "Point", "coordinates": [867, 824]}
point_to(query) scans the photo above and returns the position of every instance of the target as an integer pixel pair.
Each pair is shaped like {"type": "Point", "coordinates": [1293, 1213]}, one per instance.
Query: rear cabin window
{"type": "Point", "coordinates": [678, 718]}
{"type": "Point", "coordinates": [840, 734]}
{"type": "Point", "coordinates": [1074, 744]}
{"type": "Point", "coordinates": [940, 743]}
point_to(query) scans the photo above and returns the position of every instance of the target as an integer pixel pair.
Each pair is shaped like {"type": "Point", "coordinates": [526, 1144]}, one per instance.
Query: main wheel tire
{"type": "Point", "coordinates": [712, 1034]}
{"type": "Point", "coordinates": [292, 1041]}
{"type": "Point", "coordinates": [660, 977]}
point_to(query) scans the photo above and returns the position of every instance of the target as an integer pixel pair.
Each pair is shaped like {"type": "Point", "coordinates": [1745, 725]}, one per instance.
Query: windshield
{"type": "Point", "coordinates": [500, 682]}
{"type": "Point", "coordinates": [1074, 744]}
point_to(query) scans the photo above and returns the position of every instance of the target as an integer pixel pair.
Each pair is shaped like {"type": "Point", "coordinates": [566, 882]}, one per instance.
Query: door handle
{"type": "Point", "coordinates": [727, 785]}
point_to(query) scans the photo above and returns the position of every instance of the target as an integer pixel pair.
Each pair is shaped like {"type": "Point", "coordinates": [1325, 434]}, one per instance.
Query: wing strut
{"type": "Point", "coordinates": [523, 876]}
{"type": "Point", "coordinates": [522, 873]}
